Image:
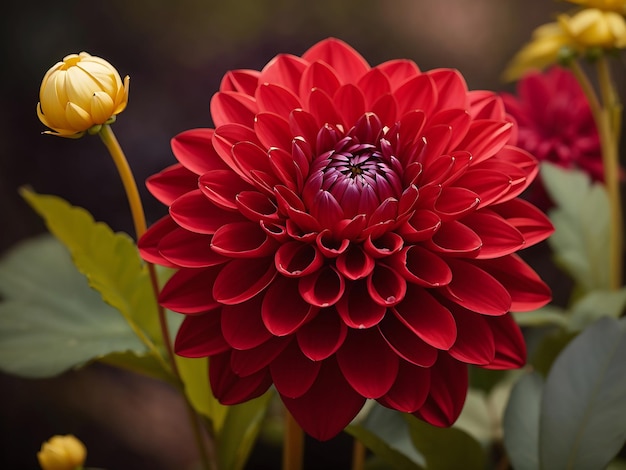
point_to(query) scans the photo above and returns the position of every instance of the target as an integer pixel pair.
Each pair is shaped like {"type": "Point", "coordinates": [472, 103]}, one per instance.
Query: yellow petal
{"type": "Point", "coordinates": [101, 107]}
{"type": "Point", "coordinates": [78, 118]}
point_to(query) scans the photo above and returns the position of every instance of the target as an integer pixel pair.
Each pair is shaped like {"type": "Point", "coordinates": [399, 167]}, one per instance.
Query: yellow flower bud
{"type": "Point", "coordinates": [618, 6]}
{"type": "Point", "coordinates": [592, 27]}
{"type": "Point", "coordinates": [79, 93]}
{"type": "Point", "coordinates": [62, 453]}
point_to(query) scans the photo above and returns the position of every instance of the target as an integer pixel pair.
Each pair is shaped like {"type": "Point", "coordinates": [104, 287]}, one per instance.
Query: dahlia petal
{"type": "Point", "coordinates": [285, 168]}
{"type": "Point", "coordinates": [485, 138]}
{"type": "Point", "coordinates": [411, 124]}
{"type": "Point", "coordinates": [251, 158]}
{"type": "Point", "coordinates": [386, 211]}
{"type": "Point", "coordinates": [222, 186]}
{"type": "Point", "coordinates": [367, 362]}
{"type": "Point", "coordinates": [194, 149]}
{"type": "Point", "coordinates": [194, 212]}
{"type": "Point", "coordinates": [417, 93]}
{"type": "Point", "coordinates": [455, 202]}
{"type": "Point", "coordinates": [284, 70]}
{"type": "Point", "coordinates": [326, 209]}
{"type": "Point", "coordinates": [398, 71]}
{"type": "Point", "coordinates": [498, 237]}
{"type": "Point", "coordinates": [329, 246]}
{"type": "Point", "coordinates": [347, 63]}
{"type": "Point", "coordinates": [436, 143]}
{"type": "Point", "coordinates": [405, 343]}
{"type": "Point", "coordinates": [522, 161]}
{"type": "Point", "coordinates": [189, 250]}
{"type": "Point", "coordinates": [273, 131]}
{"type": "Point", "coordinates": [200, 336]}
{"type": "Point", "coordinates": [171, 183]}
{"type": "Point", "coordinates": [354, 263]}
{"type": "Point", "coordinates": [292, 372]}
{"type": "Point", "coordinates": [318, 75]}
{"type": "Point", "coordinates": [322, 107]}
{"type": "Point", "coordinates": [386, 108]}
{"type": "Point", "coordinates": [457, 118]}
{"type": "Point", "coordinates": [242, 326]}
{"type": "Point", "coordinates": [510, 343]}
{"type": "Point", "coordinates": [357, 309]}
{"type": "Point", "coordinates": [328, 406]}
{"type": "Point", "coordinates": [486, 105]}
{"type": "Point", "coordinates": [385, 286]}
{"type": "Point", "coordinates": [148, 243]}
{"type": "Point", "coordinates": [250, 361]}
{"type": "Point", "coordinates": [373, 85]}
{"type": "Point", "coordinates": [454, 237]}
{"type": "Point", "coordinates": [534, 224]}
{"type": "Point", "coordinates": [226, 137]}
{"type": "Point", "coordinates": [232, 107]}
{"type": "Point", "coordinates": [448, 390]}
{"type": "Point", "coordinates": [276, 99]}
{"type": "Point", "coordinates": [243, 81]}
{"type": "Point", "coordinates": [451, 88]}
{"type": "Point", "coordinates": [438, 170]}
{"type": "Point", "coordinates": [476, 290]}
{"type": "Point", "coordinates": [242, 279]}
{"type": "Point", "coordinates": [243, 240]}
{"type": "Point", "coordinates": [489, 185]}
{"type": "Point", "coordinates": [322, 288]}
{"type": "Point", "coordinates": [527, 290]}
{"type": "Point", "coordinates": [283, 310]}
{"type": "Point", "coordinates": [257, 206]}
{"type": "Point", "coordinates": [276, 230]}
{"type": "Point", "coordinates": [351, 229]}
{"type": "Point", "coordinates": [231, 389]}
{"type": "Point", "coordinates": [427, 318]}
{"type": "Point", "coordinates": [410, 389]}
{"type": "Point", "coordinates": [421, 226]}
{"type": "Point", "coordinates": [350, 103]}
{"type": "Point", "coordinates": [321, 337]}
{"type": "Point", "coordinates": [295, 259]}
{"type": "Point", "coordinates": [303, 124]}
{"type": "Point", "coordinates": [386, 245]}
{"type": "Point", "coordinates": [474, 340]}
{"type": "Point", "coordinates": [189, 290]}
{"type": "Point", "coordinates": [421, 266]}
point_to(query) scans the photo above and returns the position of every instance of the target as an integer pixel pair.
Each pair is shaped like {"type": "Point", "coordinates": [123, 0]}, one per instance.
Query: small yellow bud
{"type": "Point", "coordinates": [80, 92]}
{"type": "Point", "coordinates": [592, 27]}
{"type": "Point", "coordinates": [62, 453]}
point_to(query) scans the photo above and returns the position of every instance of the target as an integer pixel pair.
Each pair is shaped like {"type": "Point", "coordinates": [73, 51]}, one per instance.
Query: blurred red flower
{"type": "Point", "coordinates": [348, 232]}
{"type": "Point", "coordinates": [555, 122]}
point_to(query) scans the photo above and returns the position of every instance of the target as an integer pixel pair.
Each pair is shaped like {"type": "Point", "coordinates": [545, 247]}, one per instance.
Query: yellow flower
{"type": "Point", "coordinates": [62, 453]}
{"type": "Point", "coordinates": [618, 6]}
{"type": "Point", "coordinates": [79, 93]}
{"type": "Point", "coordinates": [592, 27]}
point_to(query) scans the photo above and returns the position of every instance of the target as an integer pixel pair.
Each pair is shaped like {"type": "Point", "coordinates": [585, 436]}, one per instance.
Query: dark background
{"type": "Point", "coordinates": [176, 53]}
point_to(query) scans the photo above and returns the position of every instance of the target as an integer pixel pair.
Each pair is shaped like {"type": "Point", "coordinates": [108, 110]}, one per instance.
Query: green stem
{"type": "Point", "coordinates": [139, 222]}
{"type": "Point", "coordinates": [293, 447]}
{"type": "Point", "coordinates": [358, 455]}
{"type": "Point", "coordinates": [607, 116]}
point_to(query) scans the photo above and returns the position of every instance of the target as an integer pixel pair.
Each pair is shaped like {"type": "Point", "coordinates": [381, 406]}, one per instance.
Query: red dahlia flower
{"type": "Point", "coordinates": [348, 232]}
{"type": "Point", "coordinates": [555, 122]}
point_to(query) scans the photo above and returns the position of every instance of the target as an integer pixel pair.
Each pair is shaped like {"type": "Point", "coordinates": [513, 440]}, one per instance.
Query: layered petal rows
{"type": "Point", "coordinates": [348, 232]}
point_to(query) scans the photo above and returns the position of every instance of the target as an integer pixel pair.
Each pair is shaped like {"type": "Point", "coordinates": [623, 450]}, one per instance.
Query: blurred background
{"type": "Point", "coordinates": [176, 52]}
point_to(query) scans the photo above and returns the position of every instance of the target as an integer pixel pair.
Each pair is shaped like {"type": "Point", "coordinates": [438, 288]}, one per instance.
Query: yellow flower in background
{"type": "Point", "coordinates": [618, 6]}
{"type": "Point", "coordinates": [79, 93]}
{"type": "Point", "coordinates": [62, 453]}
{"type": "Point", "coordinates": [592, 27]}
{"type": "Point", "coordinates": [587, 30]}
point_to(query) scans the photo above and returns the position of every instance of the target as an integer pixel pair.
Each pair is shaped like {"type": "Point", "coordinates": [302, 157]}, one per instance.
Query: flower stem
{"type": "Point", "coordinates": [139, 222]}
{"type": "Point", "coordinates": [607, 116]}
{"type": "Point", "coordinates": [293, 447]}
{"type": "Point", "coordinates": [358, 455]}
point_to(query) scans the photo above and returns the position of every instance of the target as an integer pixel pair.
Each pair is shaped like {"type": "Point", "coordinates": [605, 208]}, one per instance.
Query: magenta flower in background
{"type": "Point", "coordinates": [348, 232]}
{"type": "Point", "coordinates": [555, 122]}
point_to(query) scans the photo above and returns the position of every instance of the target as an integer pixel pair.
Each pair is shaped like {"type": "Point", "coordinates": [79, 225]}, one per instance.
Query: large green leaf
{"type": "Point", "coordinates": [50, 319]}
{"type": "Point", "coordinates": [109, 260]}
{"type": "Point", "coordinates": [521, 422]}
{"type": "Point", "coordinates": [446, 448]}
{"type": "Point", "coordinates": [581, 219]}
{"type": "Point", "coordinates": [594, 305]}
{"type": "Point", "coordinates": [583, 410]}
{"type": "Point", "coordinates": [239, 432]}
{"type": "Point", "coordinates": [381, 448]}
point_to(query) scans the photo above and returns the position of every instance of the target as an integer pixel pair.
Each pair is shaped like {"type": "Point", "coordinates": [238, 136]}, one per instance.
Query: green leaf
{"type": "Point", "coordinates": [194, 372]}
{"type": "Point", "coordinates": [594, 305]}
{"type": "Point", "coordinates": [583, 411]}
{"type": "Point", "coordinates": [50, 319]}
{"type": "Point", "coordinates": [549, 348]}
{"type": "Point", "coordinates": [521, 422]}
{"type": "Point", "coordinates": [446, 448]}
{"type": "Point", "coordinates": [109, 260]}
{"type": "Point", "coordinates": [581, 220]}
{"type": "Point", "coordinates": [545, 316]}
{"type": "Point", "coordinates": [239, 432]}
{"type": "Point", "coordinates": [144, 364]}
{"type": "Point", "coordinates": [397, 460]}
